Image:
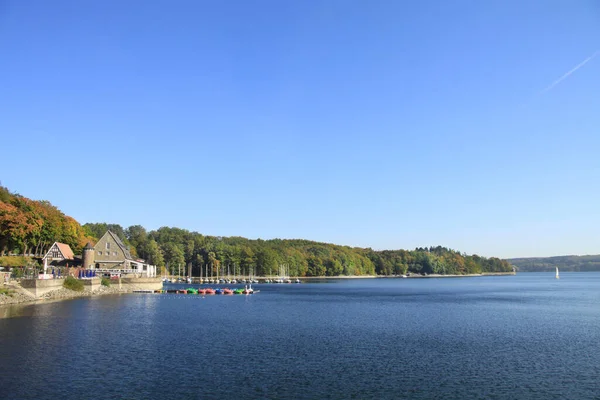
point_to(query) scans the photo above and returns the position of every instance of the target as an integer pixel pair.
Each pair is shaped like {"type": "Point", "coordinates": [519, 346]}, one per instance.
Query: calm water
{"type": "Point", "coordinates": [512, 337]}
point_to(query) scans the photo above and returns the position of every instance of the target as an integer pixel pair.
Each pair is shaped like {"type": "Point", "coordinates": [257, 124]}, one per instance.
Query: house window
{"type": "Point", "coordinates": [107, 245]}
{"type": "Point", "coordinates": [114, 253]}
{"type": "Point", "coordinates": [99, 253]}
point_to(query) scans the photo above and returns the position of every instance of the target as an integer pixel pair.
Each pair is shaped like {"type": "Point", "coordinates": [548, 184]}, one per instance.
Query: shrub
{"type": "Point", "coordinates": [73, 284]}
{"type": "Point", "coordinates": [105, 282]}
{"type": "Point", "coordinates": [17, 272]}
{"type": "Point", "coordinates": [6, 292]}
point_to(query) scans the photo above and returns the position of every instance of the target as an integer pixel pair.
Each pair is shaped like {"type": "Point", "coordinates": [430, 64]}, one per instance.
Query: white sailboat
{"type": "Point", "coordinates": [557, 273]}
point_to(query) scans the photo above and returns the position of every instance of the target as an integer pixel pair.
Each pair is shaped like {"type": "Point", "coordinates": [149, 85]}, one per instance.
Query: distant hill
{"type": "Point", "coordinates": [564, 263]}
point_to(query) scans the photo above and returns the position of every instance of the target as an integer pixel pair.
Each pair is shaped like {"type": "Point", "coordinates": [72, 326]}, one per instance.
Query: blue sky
{"type": "Point", "coordinates": [383, 124]}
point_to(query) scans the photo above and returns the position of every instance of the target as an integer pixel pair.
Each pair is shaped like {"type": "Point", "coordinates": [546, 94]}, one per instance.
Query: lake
{"type": "Point", "coordinates": [527, 336]}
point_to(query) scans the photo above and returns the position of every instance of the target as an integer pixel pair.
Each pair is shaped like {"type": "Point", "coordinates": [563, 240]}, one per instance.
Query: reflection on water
{"type": "Point", "coordinates": [16, 310]}
{"type": "Point", "coordinates": [41, 308]}
{"type": "Point", "coordinates": [28, 310]}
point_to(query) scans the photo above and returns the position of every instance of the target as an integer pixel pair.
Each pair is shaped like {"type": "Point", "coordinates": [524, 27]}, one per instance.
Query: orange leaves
{"type": "Point", "coordinates": [14, 222]}
{"type": "Point", "coordinates": [25, 222]}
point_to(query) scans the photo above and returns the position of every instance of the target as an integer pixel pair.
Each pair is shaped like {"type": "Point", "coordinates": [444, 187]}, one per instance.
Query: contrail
{"type": "Point", "coordinates": [565, 76]}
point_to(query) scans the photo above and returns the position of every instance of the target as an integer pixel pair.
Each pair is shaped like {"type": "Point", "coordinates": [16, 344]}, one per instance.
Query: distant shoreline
{"type": "Point", "coordinates": [412, 276]}
{"type": "Point", "coordinates": [460, 276]}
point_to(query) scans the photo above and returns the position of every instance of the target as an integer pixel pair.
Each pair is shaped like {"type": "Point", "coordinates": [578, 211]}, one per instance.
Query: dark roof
{"type": "Point", "coordinates": [89, 246]}
{"type": "Point", "coordinates": [121, 245]}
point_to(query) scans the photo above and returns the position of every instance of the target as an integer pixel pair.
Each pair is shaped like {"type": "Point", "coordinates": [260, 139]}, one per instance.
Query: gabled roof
{"type": "Point", "coordinates": [64, 249]}
{"type": "Point", "coordinates": [120, 244]}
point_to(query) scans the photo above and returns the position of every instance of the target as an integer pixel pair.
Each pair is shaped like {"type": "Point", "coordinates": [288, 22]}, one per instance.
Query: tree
{"type": "Point", "coordinates": [316, 267]}
{"type": "Point", "coordinates": [334, 267]}
{"type": "Point", "coordinates": [266, 261]}
{"type": "Point", "coordinates": [173, 256]}
{"type": "Point", "coordinates": [18, 224]}
{"type": "Point", "coordinates": [136, 235]}
{"type": "Point", "coordinates": [247, 259]}
{"type": "Point", "coordinates": [151, 252]}
{"type": "Point", "coordinates": [213, 262]}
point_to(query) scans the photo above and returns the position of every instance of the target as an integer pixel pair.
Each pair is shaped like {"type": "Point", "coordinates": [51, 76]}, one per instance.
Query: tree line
{"type": "Point", "coordinates": [28, 226]}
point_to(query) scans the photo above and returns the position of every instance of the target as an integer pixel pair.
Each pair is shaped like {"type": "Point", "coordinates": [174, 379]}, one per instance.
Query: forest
{"type": "Point", "coordinates": [30, 227]}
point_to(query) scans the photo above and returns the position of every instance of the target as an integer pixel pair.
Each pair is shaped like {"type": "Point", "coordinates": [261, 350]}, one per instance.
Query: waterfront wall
{"type": "Point", "coordinates": [39, 287]}
{"type": "Point", "coordinates": [89, 285]}
{"type": "Point", "coordinates": [141, 283]}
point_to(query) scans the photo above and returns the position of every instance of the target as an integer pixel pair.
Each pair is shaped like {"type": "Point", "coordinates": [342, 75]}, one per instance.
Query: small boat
{"type": "Point", "coordinates": [192, 291]}
{"type": "Point", "coordinates": [227, 291]}
{"type": "Point", "coordinates": [297, 280]}
{"type": "Point", "coordinates": [557, 277]}
{"type": "Point", "coordinates": [218, 291]}
{"type": "Point", "coordinates": [202, 291]}
{"type": "Point", "coordinates": [210, 291]}
{"type": "Point", "coordinates": [238, 291]}
{"type": "Point", "coordinates": [248, 290]}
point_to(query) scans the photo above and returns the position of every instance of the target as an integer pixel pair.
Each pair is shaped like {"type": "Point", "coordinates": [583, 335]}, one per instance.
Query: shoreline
{"type": "Point", "coordinates": [451, 276]}
{"type": "Point", "coordinates": [413, 276]}
{"type": "Point", "coordinates": [303, 278]}
{"type": "Point", "coordinates": [19, 295]}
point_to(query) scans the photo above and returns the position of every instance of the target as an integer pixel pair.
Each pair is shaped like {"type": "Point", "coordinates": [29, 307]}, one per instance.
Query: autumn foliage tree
{"type": "Point", "coordinates": [29, 226]}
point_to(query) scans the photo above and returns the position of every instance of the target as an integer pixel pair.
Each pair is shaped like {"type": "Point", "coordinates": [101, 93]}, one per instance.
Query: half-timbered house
{"type": "Point", "coordinates": [60, 254]}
